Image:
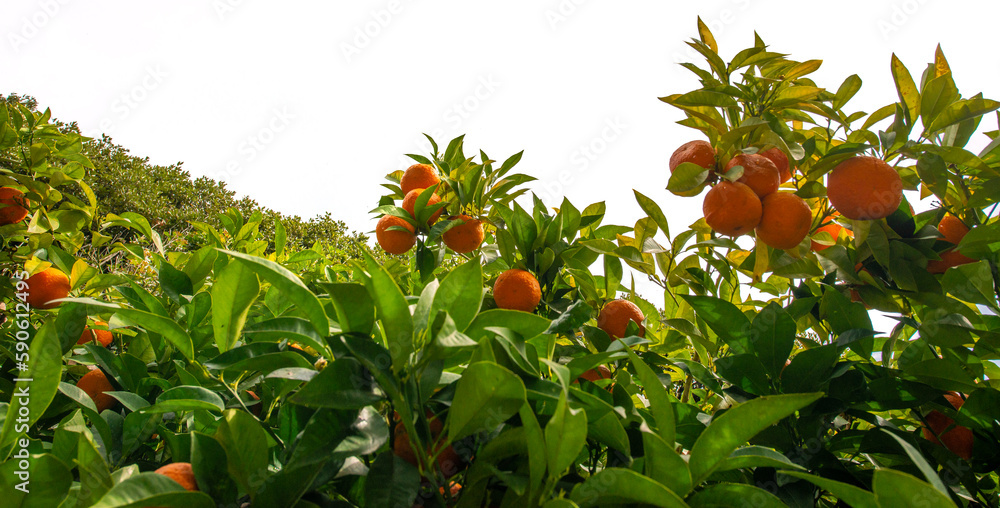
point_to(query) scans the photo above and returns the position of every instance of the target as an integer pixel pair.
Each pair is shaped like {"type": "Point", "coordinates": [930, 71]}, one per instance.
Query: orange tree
{"type": "Point", "coordinates": [504, 369]}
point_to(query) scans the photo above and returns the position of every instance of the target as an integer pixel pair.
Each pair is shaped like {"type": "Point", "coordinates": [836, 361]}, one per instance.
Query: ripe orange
{"type": "Point", "coordinates": [592, 375]}
{"type": "Point", "coordinates": [448, 459]}
{"type": "Point", "coordinates": [698, 152]}
{"type": "Point", "coordinates": [833, 229]}
{"type": "Point", "coordinates": [14, 207]}
{"type": "Point", "coordinates": [465, 237]}
{"type": "Point", "coordinates": [181, 473]}
{"type": "Point", "coordinates": [410, 202]}
{"type": "Point", "coordinates": [616, 314]}
{"type": "Point", "coordinates": [953, 230]}
{"type": "Point", "coordinates": [517, 290]}
{"type": "Point", "coordinates": [95, 383]}
{"type": "Point", "coordinates": [959, 439]}
{"type": "Point", "coordinates": [731, 208]}
{"type": "Point", "coordinates": [103, 336]}
{"type": "Point", "coordinates": [45, 286]}
{"type": "Point", "coordinates": [864, 188]}
{"type": "Point", "coordinates": [395, 241]}
{"type": "Point", "coordinates": [785, 220]}
{"type": "Point", "coordinates": [418, 176]}
{"type": "Point", "coordinates": [759, 173]}
{"type": "Point", "coordinates": [780, 160]}
{"type": "Point", "coordinates": [453, 489]}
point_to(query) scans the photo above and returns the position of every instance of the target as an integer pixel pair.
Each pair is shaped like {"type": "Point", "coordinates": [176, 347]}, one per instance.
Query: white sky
{"type": "Point", "coordinates": [195, 81]}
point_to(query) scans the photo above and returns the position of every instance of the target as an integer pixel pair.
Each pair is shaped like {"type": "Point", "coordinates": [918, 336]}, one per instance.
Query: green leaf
{"type": "Point", "coordinates": [907, 90]}
{"type": "Point", "coordinates": [737, 426]}
{"type": "Point", "coordinates": [48, 481]}
{"type": "Point", "coordinates": [343, 384]}
{"type": "Point", "coordinates": [151, 489]}
{"type": "Point", "coordinates": [706, 36]}
{"type": "Point", "coordinates": [653, 211]}
{"type": "Point", "coordinates": [565, 435]}
{"type": "Point", "coordinates": [723, 494]}
{"type": "Point", "coordinates": [392, 482]}
{"type": "Point", "coordinates": [756, 456]}
{"type": "Point", "coordinates": [208, 461]}
{"type": "Point", "coordinates": [853, 496]}
{"type": "Point", "coordinates": [972, 282]}
{"type": "Point", "coordinates": [686, 177]}
{"type": "Point", "coordinates": [354, 307]}
{"type": "Point", "coordinates": [926, 469]}
{"type": "Point", "coordinates": [233, 293]}
{"type": "Point", "coordinates": [245, 443]}
{"type": "Point", "coordinates": [174, 282]}
{"type": "Point", "coordinates": [664, 465]}
{"type": "Point", "coordinates": [659, 401]}
{"type": "Point", "coordinates": [485, 396]}
{"type": "Point", "coordinates": [393, 312]}
{"type": "Point", "coordinates": [36, 387]}
{"type": "Point", "coordinates": [461, 294]}
{"type": "Point", "coordinates": [773, 335]}
{"type": "Point", "coordinates": [847, 89]}
{"type": "Point", "coordinates": [186, 398]}
{"type": "Point", "coordinates": [616, 486]}
{"type": "Point", "coordinates": [290, 286]}
{"type": "Point", "coordinates": [960, 111]}
{"type": "Point", "coordinates": [731, 325]}
{"type": "Point", "coordinates": [525, 324]}
{"type": "Point", "coordinates": [895, 489]}
{"type": "Point", "coordinates": [936, 95]}
{"type": "Point", "coordinates": [166, 327]}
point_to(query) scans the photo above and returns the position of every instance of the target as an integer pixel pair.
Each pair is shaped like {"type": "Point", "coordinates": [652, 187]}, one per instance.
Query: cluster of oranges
{"type": "Point", "coordinates": [859, 188]}
{"type": "Point", "coordinates": [397, 235]}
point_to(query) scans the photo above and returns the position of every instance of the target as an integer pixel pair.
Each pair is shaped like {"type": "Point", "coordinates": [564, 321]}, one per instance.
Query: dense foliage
{"type": "Point", "coordinates": [292, 377]}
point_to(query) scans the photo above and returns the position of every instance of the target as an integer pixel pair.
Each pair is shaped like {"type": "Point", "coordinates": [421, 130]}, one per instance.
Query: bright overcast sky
{"type": "Point", "coordinates": [305, 106]}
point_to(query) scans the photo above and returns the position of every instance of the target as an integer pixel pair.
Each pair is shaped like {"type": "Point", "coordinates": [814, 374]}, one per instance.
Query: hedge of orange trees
{"type": "Point", "coordinates": [497, 358]}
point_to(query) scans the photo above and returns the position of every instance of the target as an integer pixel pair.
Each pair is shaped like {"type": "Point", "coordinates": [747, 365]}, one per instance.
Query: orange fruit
{"type": "Point", "coordinates": [102, 336]}
{"type": "Point", "coordinates": [592, 375]}
{"type": "Point", "coordinates": [45, 286]}
{"type": "Point", "coordinates": [864, 188]}
{"type": "Point", "coordinates": [418, 176]}
{"type": "Point", "coordinates": [181, 473]}
{"type": "Point", "coordinates": [517, 290]}
{"type": "Point", "coordinates": [95, 383]}
{"type": "Point", "coordinates": [14, 207]}
{"type": "Point", "coordinates": [394, 241]}
{"type": "Point", "coordinates": [780, 160]}
{"type": "Point", "coordinates": [953, 230]}
{"type": "Point", "coordinates": [410, 202]}
{"type": "Point", "coordinates": [453, 489]}
{"type": "Point", "coordinates": [784, 221]}
{"type": "Point", "coordinates": [833, 229]}
{"type": "Point", "coordinates": [616, 314]}
{"type": "Point", "coordinates": [731, 208]}
{"type": "Point", "coordinates": [465, 237]}
{"type": "Point", "coordinates": [447, 460]}
{"type": "Point", "coordinates": [759, 173]}
{"type": "Point", "coordinates": [698, 152]}
{"type": "Point", "coordinates": [959, 439]}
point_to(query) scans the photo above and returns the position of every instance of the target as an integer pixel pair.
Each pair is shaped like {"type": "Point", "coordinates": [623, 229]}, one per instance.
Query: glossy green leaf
{"type": "Point", "coordinates": [773, 335]}
{"type": "Point", "coordinates": [659, 401]}
{"type": "Point", "coordinates": [151, 489]}
{"type": "Point", "coordinates": [737, 426]}
{"type": "Point", "coordinates": [724, 494]}
{"type": "Point", "coordinates": [354, 306]}
{"type": "Point", "coordinates": [392, 482]}
{"type": "Point", "coordinates": [622, 486]}
{"type": "Point", "coordinates": [731, 325]}
{"type": "Point", "coordinates": [35, 387]}
{"type": "Point", "coordinates": [393, 312]}
{"type": "Point", "coordinates": [853, 496]}
{"type": "Point", "coordinates": [486, 395]}
{"type": "Point", "coordinates": [565, 435]}
{"type": "Point", "coordinates": [45, 483]}
{"type": "Point", "coordinates": [343, 384]}
{"type": "Point", "coordinates": [233, 292]}
{"type": "Point", "coordinates": [896, 489]}
{"type": "Point", "coordinates": [245, 443]}
{"type": "Point", "coordinates": [461, 294]}
{"type": "Point", "coordinates": [664, 465]}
